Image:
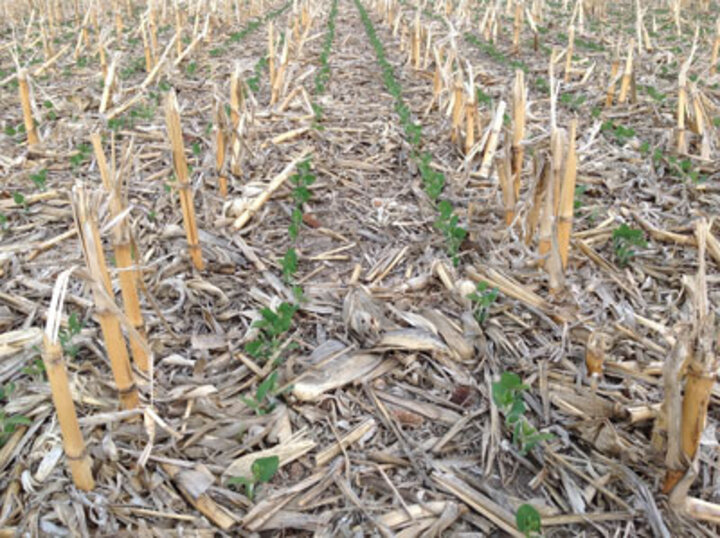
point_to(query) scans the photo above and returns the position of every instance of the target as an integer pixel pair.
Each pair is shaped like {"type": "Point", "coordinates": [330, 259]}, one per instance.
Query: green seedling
{"type": "Point", "coordinates": [433, 181]}
{"type": "Point", "coordinates": [625, 239]}
{"type": "Point", "coordinates": [483, 299]}
{"type": "Point", "coordinates": [66, 336]}
{"type": "Point", "coordinates": [262, 469]}
{"type": "Point", "coordinates": [301, 194]}
{"type": "Point", "coordinates": [507, 395]}
{"type": "Point", "coordinates": [528, 521]}
{"type": "Point", "coordinates": [684, 170]}
{"type": "Point", "coordinates": [3, 222]}
{"type": "Point", "coordinates": [579, 195]}
{"type": "Point", "coordinates": [289, 264]}
{"type": "Point", "coordinates": [36, 370]}
{"type": "Point", "coordinates": [482, 97]}
{"type": "Point", "coordinates": [39, 179]}
{"type": "Point", "coordinates": [447, 223]}
{"type": "Point", "coordinates": [622, 134]}
{"type": "Point", "coordinates": [83, 154]}
{"type": "Point", "coordinates": [573, 101]}
{"type": "Point", "coordinates": [51, 113]}
{"type": "Point", "coordinates": [8, 424]}
{"type": "Point", "coordinates": [19, 199]}
{"type": "Point", "coordinates": [272, 326]}
{"type": "Point", "coordinates": [542, 85]}
{"type": "Point", "coordinates": [655, 94]}
{"type": "Point", "coordinates": [263, 401]}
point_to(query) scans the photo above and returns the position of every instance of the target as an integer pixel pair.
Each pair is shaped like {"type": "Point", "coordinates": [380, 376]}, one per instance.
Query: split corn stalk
{"type": "Point", "coordinates": [569, 53]}
{"type": "Point", "coordinates": [715, 50]}
{"type": "Point", "coordinates": [237, 102]}
{"type": "Point", "coordinates": [700, 360]}
{"type": "Point", "coordinates": [567, 196]}
{"type": "Point", "coordinates": [627, 74]}
{"type": "Point", "coordinates": [682, 105]}
{"type": "Point", "coordinates": [79, 461]}
{"type": "Point", "coordinates": [108, 86]}
{"type": "Point", "coordinates": [519, 104]}
{"type": "Point", "coordinates": [87, 227]}
{"type": "Point", "coordinates": [492, 142]}
{"type": "Point", "coordinates": [172, 116]}
{"type": "Point", "coordinates": [517, 27]}
{"type": "Point", "coordinates": [32, 137]}
{"type": "Point", "coordinates": [614, 69]}
{"type": "Point", "coordinates": [220, 149]}
{"type": "Point", "coordinates": [127, 274]}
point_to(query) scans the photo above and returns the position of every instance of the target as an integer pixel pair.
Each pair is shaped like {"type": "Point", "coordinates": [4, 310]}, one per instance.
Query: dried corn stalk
{"type": "Point", "coordinates": [122, 245]}
{"type": "Point", "coordinates": [32, 137]}
{"type": "Point", "coordinates": [172, 116]}
{"type": "Point", "coordinates": [87, 228]}
{"type": "Point", "coordinates": [79, 461]}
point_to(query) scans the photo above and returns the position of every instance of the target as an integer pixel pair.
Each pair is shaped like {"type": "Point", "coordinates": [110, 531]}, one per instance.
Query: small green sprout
{"type": "Point", "coordinates": [528, 521]}
{"type": "Point", "coordinates": [66, 336]}
{"type": "Point", "coordinates": [262, 469]}
{"type": "Point", "coordinates": [483, 299]}
{"type": "Point", "coordinates": [624, 240]}
{"type": "Point", "coordinates": [507, 395]}
{"type": "Point", "coordinates": [272, 326]}
{"type": "Point", "coordinates": [39, 179]}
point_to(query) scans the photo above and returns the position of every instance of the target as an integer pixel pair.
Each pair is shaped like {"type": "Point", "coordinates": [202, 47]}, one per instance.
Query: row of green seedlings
{"type": "Point", "coordinates": [253, 82]}
{"type": "Point", "coordinates": [274, 324]}
{"type": "Point", "coordinates": [322, 77]}
{"type": "Point", "coordinates": [507, 393]}
{"type": "Point", "coordinates": [447, 221]}
{"type": "Point", "coordinates": [272, 343]}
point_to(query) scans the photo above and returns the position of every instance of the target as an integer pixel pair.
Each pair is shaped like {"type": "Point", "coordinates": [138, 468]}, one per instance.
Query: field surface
{"type": "Point", "coordinates": [359, 268]}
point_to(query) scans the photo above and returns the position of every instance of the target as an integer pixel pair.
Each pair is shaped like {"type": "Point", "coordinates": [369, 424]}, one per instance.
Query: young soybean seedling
{"type": "Point", "coordinates": [263, 470]}
{"type": "Point", "coordinates": [65, 336]}
{"type": "Point", "coordinates": [528, 520]}
{"type": "Point", "coordinates": [39, 179]}
{"type": "Point", "coordinates": [624, 239]}
{"type": "Point", "coordinates": [9, 423]}
{"type": "Point", "coordinates": [483, 299]}
{"type": "Point", "coordinates": [289, 264]}
{"type": "Point", "coordinates": [272, 326]}
{"type": "Point", "coordinates": [447, 223]}
{"type": "Point", "coordinates": [262, 403]}
{"type": "Point", "coordinates": [507, 395]}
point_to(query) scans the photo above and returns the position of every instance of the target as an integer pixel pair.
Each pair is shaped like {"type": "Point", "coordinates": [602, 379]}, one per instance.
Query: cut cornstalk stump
{"type": "Point", "coordinates": [614, 70]}
{"type": "Point", "coordinates": [567, 196]}
{"type": "Point", "coordinates": [627, 74]}
{"type": "Point", "coordinates": [107, 311]}
{"type": "Point", "coordinates": [172, 117]}
{"type": "Point", "coordinates": [519, 104]}
{"type": "Point", "coordinates": [715, 49]}
{"type": "Point", "coordinates": [492, 142]}
{"type": "Point", "coordinates": [79, 461]}
{"type": "Point", "coordinates": [127, 274]}
{"type": "Point", "coordinates": [32, 136]}
{"type": "Point", "coordinates": [569, 53]}
{"type": "Point", "coordinates": [220, 149]}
